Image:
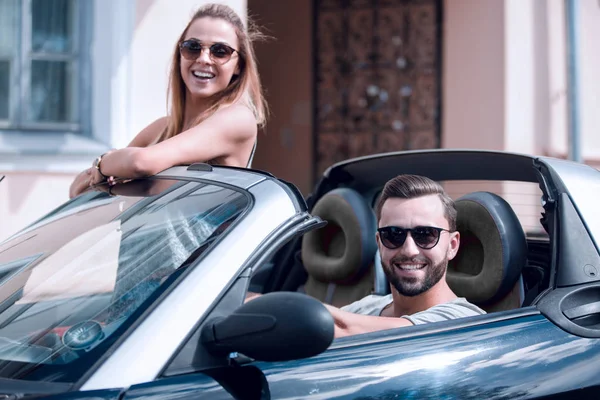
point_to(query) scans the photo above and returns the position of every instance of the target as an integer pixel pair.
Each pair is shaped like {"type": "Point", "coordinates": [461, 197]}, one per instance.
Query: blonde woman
{"type": "Point", "coordinates": [216, 105]}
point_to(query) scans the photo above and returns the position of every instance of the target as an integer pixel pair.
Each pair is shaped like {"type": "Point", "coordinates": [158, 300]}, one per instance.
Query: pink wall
{"type": "Point", "coordinates": [588, 23]}
{"type": "Point", "coordinates": [473, 74]}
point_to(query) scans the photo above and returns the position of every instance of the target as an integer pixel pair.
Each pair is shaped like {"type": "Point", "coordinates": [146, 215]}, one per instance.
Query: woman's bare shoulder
{"type": "Point", "coordinates": [160, 122]}
{"type": "Point", "coordinates": [150, 133]}
{"type": "Point", "coordinates": [236, 119]}
{"type": "Point", "coordinates": [236, 111]}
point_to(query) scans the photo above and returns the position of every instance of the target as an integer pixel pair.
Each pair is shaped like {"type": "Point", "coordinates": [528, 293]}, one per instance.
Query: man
{"type": "Point", "coordinates": [416, 237]}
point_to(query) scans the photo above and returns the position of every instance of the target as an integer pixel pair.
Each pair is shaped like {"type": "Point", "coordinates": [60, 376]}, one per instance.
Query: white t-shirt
{"type": "Point", "coordinates": [457, 308]}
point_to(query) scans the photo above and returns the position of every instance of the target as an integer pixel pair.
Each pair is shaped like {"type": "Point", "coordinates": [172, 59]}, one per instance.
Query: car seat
{"type": "Point", "coordinates": [493, 251]}
{"type": "Point", "coordinates": [339, 258]}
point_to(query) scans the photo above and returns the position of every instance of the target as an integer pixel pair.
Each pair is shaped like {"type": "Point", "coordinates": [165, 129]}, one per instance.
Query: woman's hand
{"type": "Point", "coordinates": [96, 177]}
{"type": "Point", "coordinates": [81, 183]}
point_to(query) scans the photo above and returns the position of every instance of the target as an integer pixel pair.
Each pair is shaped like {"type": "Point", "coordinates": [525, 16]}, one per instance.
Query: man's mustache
{"type": "Point", "coordinates": [406, 260]}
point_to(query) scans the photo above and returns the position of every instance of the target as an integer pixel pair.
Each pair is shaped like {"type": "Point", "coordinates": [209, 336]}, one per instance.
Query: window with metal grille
{"type": "Point", "coordinates": [44, 65]}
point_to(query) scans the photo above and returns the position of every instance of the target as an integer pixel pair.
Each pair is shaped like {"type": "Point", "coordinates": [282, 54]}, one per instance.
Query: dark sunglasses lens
{"type": "Point", "coordinates": [392, 238]}
{"type": "Point", "coordinates": [425, 237]}
{"type": "Point", "coordinates": [220, 51]}
{"type": "Point", "coordinates": [190, 49]}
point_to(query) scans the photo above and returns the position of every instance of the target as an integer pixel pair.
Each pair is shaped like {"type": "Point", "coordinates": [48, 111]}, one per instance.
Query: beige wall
{"type": "Point", "coordinates": [588, 22]}
{"type": "Point", "coordinates": [504, 76]}
{"type": "Point", "coordinates": [473, 74]}
{"type": "Point", "coordinates": [557, 143]}
{"type": "Point", "coordinates": [285, 65]}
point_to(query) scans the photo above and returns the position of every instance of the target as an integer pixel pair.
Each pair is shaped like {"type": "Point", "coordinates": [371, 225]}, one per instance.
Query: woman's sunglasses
{"type": "Point", "coordinates": [220, 53]}
{"type": "Point", "coordinates": [426, 237]}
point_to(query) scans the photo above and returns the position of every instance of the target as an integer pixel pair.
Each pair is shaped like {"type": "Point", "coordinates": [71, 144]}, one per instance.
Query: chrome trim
{"type": "Point", "coordinates": [146, 351]}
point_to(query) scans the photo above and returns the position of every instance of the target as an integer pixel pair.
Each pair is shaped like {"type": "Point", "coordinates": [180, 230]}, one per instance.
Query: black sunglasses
{"type": "Point", "coordinates": [426, 237]}
{"type": "Point", "coordinates": [219, 52]}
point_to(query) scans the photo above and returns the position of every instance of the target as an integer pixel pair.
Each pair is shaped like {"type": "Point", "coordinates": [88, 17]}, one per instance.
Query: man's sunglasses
{"type": "Point", "coordinates": [426, 237]}
{"type": "Point", "coordinates": [220, 53]}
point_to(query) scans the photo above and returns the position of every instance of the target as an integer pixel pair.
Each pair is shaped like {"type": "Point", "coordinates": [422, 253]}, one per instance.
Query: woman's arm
{"type": "Point", "coordinates": [90, 176]}
{"type": "Point", "coordinates": [223, 135]}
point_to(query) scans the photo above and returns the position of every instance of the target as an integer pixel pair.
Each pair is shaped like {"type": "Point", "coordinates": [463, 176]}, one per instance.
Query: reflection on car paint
{"type": "Point", "coordinates": [525, 357]}
{"type": "Point", "coordinates": [496, 361]}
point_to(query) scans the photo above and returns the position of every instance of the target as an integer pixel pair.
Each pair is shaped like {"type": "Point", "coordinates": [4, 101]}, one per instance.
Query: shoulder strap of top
{"type": "Point", "coordinates": [249, 165]}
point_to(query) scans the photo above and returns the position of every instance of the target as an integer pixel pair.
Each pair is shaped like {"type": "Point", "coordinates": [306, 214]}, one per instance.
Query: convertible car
{"type": "Point", "coordinates": [138, 291]}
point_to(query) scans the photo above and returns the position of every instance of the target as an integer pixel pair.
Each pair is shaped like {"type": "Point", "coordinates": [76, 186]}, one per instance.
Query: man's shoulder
{"type": "Point", "coordinates": [457, 308]}
{"type": "Point", "coordinates": [369, 305]}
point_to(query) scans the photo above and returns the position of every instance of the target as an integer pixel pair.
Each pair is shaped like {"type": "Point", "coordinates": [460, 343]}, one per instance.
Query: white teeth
{"type": "Point", "coordinates": [410, 266]}
{"type": "Point", "coordinates": [204, 75]}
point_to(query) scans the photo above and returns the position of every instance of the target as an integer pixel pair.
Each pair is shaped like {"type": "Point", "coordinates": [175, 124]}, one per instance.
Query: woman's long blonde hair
{"type": "Point", "coordinates": [245, 87]}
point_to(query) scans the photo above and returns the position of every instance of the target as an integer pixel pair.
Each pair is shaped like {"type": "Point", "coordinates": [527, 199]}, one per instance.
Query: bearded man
{"type": "Point", "coordinates": [416, 237]}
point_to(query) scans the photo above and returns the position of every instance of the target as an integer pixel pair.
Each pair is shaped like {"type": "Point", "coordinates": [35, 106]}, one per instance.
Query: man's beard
{"type": "Point", "coordinates": [411, 287]}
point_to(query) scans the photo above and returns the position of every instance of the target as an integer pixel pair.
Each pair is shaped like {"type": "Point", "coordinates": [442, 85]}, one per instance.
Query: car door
{"type": "Point", "coordinates": [514, 354]}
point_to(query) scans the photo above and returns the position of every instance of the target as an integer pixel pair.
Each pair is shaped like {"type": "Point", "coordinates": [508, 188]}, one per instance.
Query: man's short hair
{"type": "Point", "coordinates": [412, 186]}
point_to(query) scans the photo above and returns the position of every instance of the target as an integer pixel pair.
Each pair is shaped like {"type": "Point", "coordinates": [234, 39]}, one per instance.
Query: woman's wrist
{"type": "Point", "coordinates": [97, 166]}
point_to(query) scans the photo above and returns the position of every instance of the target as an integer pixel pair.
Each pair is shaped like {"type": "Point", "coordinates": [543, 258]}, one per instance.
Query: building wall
{"type": "Point", "coordinates": [285, 148]}
{"type": "Point", "coordinates": [588, 60]}
{"type": "Point", "coordinates": [504, 87]}
{"type": "Point", "coordinates": [473, 74]}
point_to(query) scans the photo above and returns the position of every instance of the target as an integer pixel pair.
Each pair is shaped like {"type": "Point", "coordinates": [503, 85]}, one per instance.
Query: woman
{"type": "Point", "coordinates": [217, 105]}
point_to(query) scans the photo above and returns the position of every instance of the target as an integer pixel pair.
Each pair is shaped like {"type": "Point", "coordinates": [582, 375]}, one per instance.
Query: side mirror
{"type": "Point", "coordinates": [275, 327]}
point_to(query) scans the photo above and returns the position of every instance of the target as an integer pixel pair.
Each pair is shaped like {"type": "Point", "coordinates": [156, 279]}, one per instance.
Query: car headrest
{"type": "Point", "coordinates": [343, 250]}
{"type": "Point", "coordinates": [492, 252]}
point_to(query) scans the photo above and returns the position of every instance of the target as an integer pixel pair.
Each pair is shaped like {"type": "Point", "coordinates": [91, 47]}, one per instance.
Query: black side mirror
{"type": "Point", "coordinates": [275, 327]}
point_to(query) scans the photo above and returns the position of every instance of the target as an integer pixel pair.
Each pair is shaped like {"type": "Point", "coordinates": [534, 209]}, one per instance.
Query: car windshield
{"type": "Point", "coordinates": [73, 281]}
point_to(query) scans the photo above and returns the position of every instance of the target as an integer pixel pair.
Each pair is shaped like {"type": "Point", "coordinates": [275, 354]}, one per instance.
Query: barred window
{"type": "Point", "coordinates": [44, 67]}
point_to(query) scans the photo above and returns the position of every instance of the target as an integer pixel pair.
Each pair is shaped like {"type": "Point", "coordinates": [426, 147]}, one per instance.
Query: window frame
{"type": "Point", "coordinates": [20, 63]}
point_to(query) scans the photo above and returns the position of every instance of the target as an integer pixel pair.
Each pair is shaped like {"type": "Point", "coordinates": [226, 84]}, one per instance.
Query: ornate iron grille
{"type": "Point", "coordinates": [378, 68]}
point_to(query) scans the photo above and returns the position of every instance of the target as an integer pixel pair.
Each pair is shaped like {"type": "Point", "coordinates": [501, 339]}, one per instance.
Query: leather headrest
{"type": "Point", "coordinates": [344, 249]}
{"type": "Point", "coordinates": [493, 248]}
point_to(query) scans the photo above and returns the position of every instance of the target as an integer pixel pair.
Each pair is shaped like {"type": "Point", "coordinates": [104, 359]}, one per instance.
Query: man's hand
{"type": "Point", "coordinates": [348, 324]}
{"type": "Point", "coordinates": [251, 296]}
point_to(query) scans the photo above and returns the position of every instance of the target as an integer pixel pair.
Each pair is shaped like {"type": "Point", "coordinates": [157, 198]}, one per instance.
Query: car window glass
{"type": "Point", "coordinates": [78, 204]}
{"type": "Point", "coordinates": [7, 270]}
{"type": "Point", "coordinates": [523, 197]}
{"type": "Point", "coordinates": [60, 305]}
